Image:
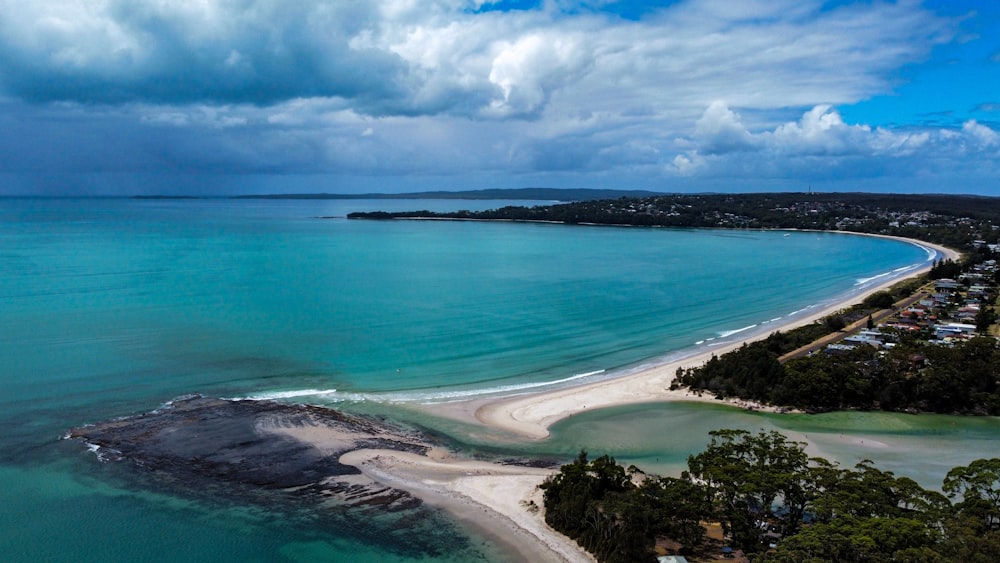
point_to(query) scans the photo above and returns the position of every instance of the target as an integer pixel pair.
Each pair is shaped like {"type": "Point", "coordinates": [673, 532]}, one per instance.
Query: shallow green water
{"type": "Point", "coordinates": [659, 437]}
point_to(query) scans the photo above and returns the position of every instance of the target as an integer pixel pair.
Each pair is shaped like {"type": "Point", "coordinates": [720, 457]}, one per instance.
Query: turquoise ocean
{"type": "Point", "coordinates": [111, 307]}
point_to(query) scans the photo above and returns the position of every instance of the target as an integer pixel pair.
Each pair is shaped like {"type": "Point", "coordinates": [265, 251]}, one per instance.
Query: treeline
{"type": "Point", "coordinates": [964, 379]}
{"type": "Point", "coordinates": [927, 217]}
{"type": "Point", "coordinates": [764, 491]}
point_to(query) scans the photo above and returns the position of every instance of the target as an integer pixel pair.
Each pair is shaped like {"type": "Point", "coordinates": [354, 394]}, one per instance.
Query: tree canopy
{"type": "Point", "coordinates": [775, 502]}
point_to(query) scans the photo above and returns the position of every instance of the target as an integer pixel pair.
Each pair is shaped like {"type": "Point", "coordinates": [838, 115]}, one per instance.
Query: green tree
{"type": "Point", "coordinates": [835, 322]}
{"type": "Point", "coordinates": [965, 541]}
{"type": "Point", "coordinates": [985, 319]}
{"type": "Point", "coordinates": [879, 300]}
{"type": "Point", "coordinates": [747, 475]}
{"type": "Point", "coordinates": [679, 507]}
{"type": "Point", "coordinates": [853, 540]}
{"type": "Point", "coordinates": [867, 492]}
{"type": "Point", "coordinates": [978, 486]}
{"type": "Point", "coordinates": [594, 503]}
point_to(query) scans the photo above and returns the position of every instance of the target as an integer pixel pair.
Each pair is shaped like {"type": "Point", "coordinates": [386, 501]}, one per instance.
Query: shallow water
{"type": "Point", "coordinates": [659, 437]}
{"type": "Point", "coordinates": [112, 307]}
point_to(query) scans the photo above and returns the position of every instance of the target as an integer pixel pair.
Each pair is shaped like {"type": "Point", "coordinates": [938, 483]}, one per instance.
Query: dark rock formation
{"type": "Point", "coordinates": [257, 444]}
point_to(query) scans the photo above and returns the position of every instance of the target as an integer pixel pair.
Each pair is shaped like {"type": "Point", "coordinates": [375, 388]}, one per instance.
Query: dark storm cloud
{"type": "Point", "coordinates": [253, 52]}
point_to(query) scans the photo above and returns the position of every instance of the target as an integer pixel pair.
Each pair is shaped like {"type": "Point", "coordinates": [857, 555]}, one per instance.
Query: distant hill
{"type": "Point", "coordinates": [533, 194]}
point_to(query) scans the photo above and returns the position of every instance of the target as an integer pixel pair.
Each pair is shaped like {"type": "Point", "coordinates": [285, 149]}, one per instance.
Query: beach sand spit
{"type": "Point", "coordinates": [502, 501]}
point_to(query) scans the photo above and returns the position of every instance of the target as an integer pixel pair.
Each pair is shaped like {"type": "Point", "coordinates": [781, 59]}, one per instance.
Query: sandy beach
{"type": "Point", "coordinates": [492, 498]}
{"type": "Point", "coordinates": [500, 501]}
{"type": "Point", "coordinates": [532, 414]}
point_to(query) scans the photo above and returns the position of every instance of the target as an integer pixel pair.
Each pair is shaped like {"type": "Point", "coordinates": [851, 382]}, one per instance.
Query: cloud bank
{"type": "Point", "coordinates": [424, 93]}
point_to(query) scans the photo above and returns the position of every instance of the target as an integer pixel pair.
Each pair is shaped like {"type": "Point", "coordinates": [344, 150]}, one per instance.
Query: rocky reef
{"type": "Point", "coordinates": [257, 444]}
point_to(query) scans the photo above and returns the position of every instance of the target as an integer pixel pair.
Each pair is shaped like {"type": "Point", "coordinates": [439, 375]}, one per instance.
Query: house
{"type": "Point", "coordinates": [941, 299]}
{"type": "Point", "coordinates": [979, 292]}
{"type": "Point", "coordinates": [861, 339]}
{"type": "Point", "coordinates": [835, 349]}
{"type": "Point", "coordinates": [953, 330]}
{"type": "Point", "coordinates": [945, 284]}
{"type": "Point", "coordinates": [967, 314]}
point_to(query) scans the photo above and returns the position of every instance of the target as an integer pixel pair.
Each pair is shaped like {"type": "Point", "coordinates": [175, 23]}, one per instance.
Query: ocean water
{"type": "Point", "coordinates": [113, 306]}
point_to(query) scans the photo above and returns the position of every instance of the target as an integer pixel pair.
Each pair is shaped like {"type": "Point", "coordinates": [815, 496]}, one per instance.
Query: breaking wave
{"type": "Point", "coordinates": [429, 396]}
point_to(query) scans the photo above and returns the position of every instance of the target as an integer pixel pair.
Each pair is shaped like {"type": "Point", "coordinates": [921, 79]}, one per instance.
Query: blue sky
{"type": "Point", "coordinates": [263, 96]}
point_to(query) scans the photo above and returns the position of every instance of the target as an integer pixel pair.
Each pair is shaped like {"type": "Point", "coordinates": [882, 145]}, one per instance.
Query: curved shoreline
{"type": "Point", "coordinates": [496, 499]}
{"type": "Point", "coordinates": [530, 415]}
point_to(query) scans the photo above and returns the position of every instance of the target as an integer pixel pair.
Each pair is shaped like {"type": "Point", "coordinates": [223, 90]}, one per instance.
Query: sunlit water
{"type": "Point", "coordinates": [112, 307]}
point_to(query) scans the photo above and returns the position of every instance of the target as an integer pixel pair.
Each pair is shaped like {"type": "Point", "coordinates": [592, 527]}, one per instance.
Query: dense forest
{"type": "Point", "coordinates": [933, 218]}
{"type": "Point", "coordinates": [778, 505]}
{"type": "Point", "coordinates": [909, 377]}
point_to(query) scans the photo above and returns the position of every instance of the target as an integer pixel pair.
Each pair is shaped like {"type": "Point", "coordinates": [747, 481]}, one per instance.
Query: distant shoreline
{"type": "Point", "coordinates": [512, 194]}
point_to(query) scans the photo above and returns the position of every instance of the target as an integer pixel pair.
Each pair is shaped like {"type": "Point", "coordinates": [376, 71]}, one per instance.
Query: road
{"type": "Point", "coordinates": [853, 328]}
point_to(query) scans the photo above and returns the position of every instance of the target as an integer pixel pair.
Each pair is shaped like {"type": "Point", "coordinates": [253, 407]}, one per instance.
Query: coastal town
{"type": "Point", "coordinates": [944, 312]}
{"type": "Point", "coordinates": [927, 344]}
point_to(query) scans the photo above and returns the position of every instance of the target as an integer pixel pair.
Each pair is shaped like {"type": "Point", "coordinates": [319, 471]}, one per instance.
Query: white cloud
{"type": "Point", "coordinates": [407, 57]}
{"type": "Point", "coordinates": [820, 143]}
{"type": "Point", "coordinates": [525, 71]}
{"type": "Point", "coordinates": [719, 129]}
{"type": "Point", "coordinates": [821, 131]}
{"type": "Point", "coordinates": [980, 134]}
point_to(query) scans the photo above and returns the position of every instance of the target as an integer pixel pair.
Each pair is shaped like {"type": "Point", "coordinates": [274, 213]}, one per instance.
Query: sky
{"type": "Point", "coordinates": [221, 97]}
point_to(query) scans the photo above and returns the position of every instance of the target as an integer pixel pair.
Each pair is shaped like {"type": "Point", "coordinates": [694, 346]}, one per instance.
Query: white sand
{"type": "Point", "coordinates": [491, 497]}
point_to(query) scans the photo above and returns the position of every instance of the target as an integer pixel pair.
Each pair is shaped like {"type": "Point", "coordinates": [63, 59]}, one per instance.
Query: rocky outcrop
{"type": "Point", "coordinates": [260, 444]}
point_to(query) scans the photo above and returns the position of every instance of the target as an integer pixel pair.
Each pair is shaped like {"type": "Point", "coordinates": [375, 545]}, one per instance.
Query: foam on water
{"type": "Point", "coordinates": [896, 273]}
{"type": "Point", "coordinates": [428, 396]}
{"type": "Point", "coordinates": [728, 333]}
{"type": "Point", "coordinates": [294, 394]}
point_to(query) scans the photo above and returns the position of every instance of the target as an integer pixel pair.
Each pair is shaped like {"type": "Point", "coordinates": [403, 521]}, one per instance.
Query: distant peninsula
{"type": "Point", "coordinates": [951, 220]}
{"type": "Point", "coordinates": [527, 194]}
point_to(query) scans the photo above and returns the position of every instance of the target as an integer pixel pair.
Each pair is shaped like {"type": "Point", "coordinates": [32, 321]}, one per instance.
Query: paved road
{"type": "Point", "coordinates": [853, 328]}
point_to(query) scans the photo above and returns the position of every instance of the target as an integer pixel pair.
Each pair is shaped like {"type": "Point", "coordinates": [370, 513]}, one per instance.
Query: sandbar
{"type": "Point", "coordinates": [503, 501]}
{"type": "Point", "coordinates": [500, 501]}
